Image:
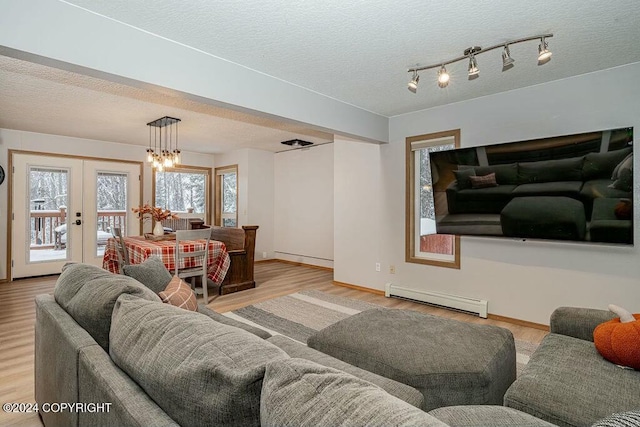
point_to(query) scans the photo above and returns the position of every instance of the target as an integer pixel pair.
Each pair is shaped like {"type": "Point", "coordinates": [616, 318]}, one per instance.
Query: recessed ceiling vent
{"type": "Point", "coordinates": [296, 143]}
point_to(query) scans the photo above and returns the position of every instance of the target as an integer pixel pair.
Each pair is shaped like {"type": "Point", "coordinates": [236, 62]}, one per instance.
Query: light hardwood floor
{"type": "Point", "coordinates": [274, 279]}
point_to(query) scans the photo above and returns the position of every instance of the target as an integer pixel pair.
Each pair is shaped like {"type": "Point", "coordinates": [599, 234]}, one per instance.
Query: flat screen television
{"type": "Point", "coordinates": [571, 188]}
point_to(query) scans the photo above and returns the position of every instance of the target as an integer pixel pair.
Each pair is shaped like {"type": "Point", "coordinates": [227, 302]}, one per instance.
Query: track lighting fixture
{"type": "Point", "coordinates": [544, 56]}
{"type": "Point", "coordinates": [413, 84]}
{"type": "Point", "coordinates": [443, 77]}
{"type": "Point", "coordinates": [507, 60]}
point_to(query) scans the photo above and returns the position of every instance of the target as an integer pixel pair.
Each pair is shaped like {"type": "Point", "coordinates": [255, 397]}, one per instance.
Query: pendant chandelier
{"type": "Point", "coordinates": [163, 149]}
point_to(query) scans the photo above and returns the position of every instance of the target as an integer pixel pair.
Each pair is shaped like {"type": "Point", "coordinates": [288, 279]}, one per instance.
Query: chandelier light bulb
{"type": "Point", "coordinates": [443, 77]}
{"type": "Point", "coordinates": [149, 155]}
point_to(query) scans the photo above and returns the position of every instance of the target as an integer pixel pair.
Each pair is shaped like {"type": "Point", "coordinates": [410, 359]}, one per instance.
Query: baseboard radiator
{"type": "Point", "coordinates": [476, 306]}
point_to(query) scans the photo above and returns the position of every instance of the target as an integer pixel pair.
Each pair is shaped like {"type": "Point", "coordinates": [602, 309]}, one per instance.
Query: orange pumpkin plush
{"type": "Point", "coordinates": [618, 340]}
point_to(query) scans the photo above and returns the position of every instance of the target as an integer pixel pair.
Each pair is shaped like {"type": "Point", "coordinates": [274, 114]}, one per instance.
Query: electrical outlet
{"type": "Point", "coordinates": [377, 266]}
{"type": "Point", "coordinates": [392, 269]}
{"type": "Point", "coordinates": [264, 254]}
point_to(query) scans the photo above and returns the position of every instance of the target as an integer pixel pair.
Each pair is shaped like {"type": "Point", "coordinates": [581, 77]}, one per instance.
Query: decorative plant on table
{"type": "Point", "coordinates": [147, 211]}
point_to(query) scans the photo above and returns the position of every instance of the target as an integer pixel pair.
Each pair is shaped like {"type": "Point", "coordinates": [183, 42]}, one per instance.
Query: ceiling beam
{"type": "Point", "coordinates": [58, 34]}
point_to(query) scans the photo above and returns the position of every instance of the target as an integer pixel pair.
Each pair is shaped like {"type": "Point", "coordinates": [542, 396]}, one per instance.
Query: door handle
{"type": "Point", "coordinates": [78, 222]}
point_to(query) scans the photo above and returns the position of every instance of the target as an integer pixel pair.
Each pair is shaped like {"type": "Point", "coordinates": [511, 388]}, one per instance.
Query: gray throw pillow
{"type": "Point", "coordinates": [626, 163]}
{"type": "Point", "coordinates": [624, 176]}
{"type": "Point", "coordinates": [152, 273]}
{"type": "Point", "coordinates": [200, 372]}
{"type": "Point", "coordinates": [298, 392]}
{"type": "Point", "coordinates": [88, 293]}
{"type": "Point", "coordinates": [462, 176]}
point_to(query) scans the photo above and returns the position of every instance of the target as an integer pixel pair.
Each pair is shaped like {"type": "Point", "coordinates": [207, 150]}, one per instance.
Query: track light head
{"type": "Point", "coordinates": [544, 54]}
{"type": "Point", "coordinates": [474, 72]}
{"type": "Point", "coordinates": [507, 60]}
{"type": "Point", "coordinates": [413, 84]}
{"type": "Point", "coordinates": [443, 77]}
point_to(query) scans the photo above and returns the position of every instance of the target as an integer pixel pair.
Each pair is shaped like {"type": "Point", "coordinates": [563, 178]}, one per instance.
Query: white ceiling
{"type": "Point", "coordinates": [356, 52]}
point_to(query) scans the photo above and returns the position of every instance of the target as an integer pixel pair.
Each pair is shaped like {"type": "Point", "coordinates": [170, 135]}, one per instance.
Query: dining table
{"type": "Point", "coordinates": [140, 248]}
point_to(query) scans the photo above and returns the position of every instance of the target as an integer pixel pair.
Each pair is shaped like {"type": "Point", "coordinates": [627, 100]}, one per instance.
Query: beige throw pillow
{"type": "Point", "coordinates": [179, 293]}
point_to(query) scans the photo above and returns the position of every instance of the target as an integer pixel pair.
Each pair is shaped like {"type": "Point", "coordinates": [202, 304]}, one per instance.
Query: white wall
{"type": "Point", "coordinates": [304, 205]}
{"type": "Point", "coordinates": [255, 193]}
{"type": "Point", "coordinates": [524, 280]}
{"type": "Point", "coordinates": [29, 141]}
{"type": "Point", "coordinates": [357, 212]}
{"type": "Point", "coordinates": [261, 200]}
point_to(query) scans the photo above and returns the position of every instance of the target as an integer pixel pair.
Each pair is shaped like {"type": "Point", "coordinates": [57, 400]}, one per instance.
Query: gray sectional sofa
{"type": "Point", "coordinates": [582, 178]}
{"type": "Point", "coordinates": [104, 338]}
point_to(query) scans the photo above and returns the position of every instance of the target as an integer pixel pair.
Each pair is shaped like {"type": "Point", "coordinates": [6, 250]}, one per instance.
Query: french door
{"type": "Point", "coordinates": [64, 209]}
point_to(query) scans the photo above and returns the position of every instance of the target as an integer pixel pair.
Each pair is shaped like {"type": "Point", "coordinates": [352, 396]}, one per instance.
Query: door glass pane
{"type": "Point", "coordinates": [48, 190]}
{"type": "Point", "coordinates": [229, 199]}
{"type": "Point", "coordinates": [181, 191]}
{"type": "Point", "coordinates": [112, 206]}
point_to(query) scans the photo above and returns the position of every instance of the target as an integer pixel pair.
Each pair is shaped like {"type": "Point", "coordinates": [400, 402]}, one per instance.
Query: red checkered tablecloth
{"type": "Point", "coordinates": [140, 249]}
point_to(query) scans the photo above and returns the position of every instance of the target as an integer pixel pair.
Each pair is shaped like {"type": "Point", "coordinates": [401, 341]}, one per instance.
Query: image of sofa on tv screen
{"type": "Point", "coordinates": [583, 198]}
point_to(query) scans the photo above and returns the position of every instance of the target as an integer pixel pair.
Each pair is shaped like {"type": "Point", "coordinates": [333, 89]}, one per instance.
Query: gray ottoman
{"type": "Point", "coordinates": [605, 226]}
{"type": "Point", "coordinates": [450, 362]}
{"type": "Point", "coordinates": [548, 217]}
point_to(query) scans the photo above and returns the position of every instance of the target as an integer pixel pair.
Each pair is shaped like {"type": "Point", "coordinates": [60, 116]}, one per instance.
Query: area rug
{"type": "Point", "coordinates": [300, 315]}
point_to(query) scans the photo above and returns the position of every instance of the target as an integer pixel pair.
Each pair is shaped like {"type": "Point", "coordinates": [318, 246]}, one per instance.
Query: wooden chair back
{"type": "Point", "coordinates": [121, 249]}
{"type": "Point", "coordinates": [202, 255]}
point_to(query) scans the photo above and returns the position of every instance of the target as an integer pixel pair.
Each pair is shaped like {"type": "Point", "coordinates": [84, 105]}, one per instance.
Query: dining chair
{"type": "Point", "coordinates": [121, 249]}
{"type": "Point", "coordinates": [203, 254]}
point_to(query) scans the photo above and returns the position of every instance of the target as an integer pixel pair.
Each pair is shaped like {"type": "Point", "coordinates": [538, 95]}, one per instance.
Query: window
{"type": "Point", "coordinates": [183, 190]}
{"type": "Point", "coordinates": [226, 214]}
{"type": "Point", "coordinates": [423, 245]}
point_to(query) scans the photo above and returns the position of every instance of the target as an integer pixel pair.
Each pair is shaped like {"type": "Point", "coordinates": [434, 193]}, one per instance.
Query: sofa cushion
{"type": "Point", "coordinates": [568, 383]}
{"type": "Point", "coordinates": [462, 177]}
{"type": "Point", "coordinates": [601, 165]}
{"type": "Point", "coordinates": [484, 181]}
{"type": "Point", "coordinates": [394, 388]}
{"type": "Point", "coordinates": [551, 170]}
{"type": "Point", "coordinates": [200, 372]}
{"type": "Point", "coordinates": [178, 293]}
{"type": "Point", "coordinates": [505, 174]}
{"type": "Point", "coordinates": [152, 273]}
{"type": "Point", "coordinates": [555, 188]}
{"type": "Point", "coordinates": [601, 188]}
{"type": "Point", "coordinates": [220, 318]}
{"type": "Point", "coordinates": [486, 415]}
{"type": "Point", "coordinates": [501, 192]}
{"type": "Point", "coordinates": [623, 419]}
{"type": "Point", "coordinates": [88, 293]}
{"type": "Point", "coordinates": [299, 392]}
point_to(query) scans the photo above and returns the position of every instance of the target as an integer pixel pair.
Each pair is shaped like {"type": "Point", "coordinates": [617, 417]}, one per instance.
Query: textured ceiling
{"type": "Point", "coordinates": [41, 99]}
{"type": "Point", "coordinates": [356, 52]}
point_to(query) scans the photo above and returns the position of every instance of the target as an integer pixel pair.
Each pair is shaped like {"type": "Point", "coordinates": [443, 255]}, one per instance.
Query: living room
{"type": "Point", "coordinates": [354, 218]}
